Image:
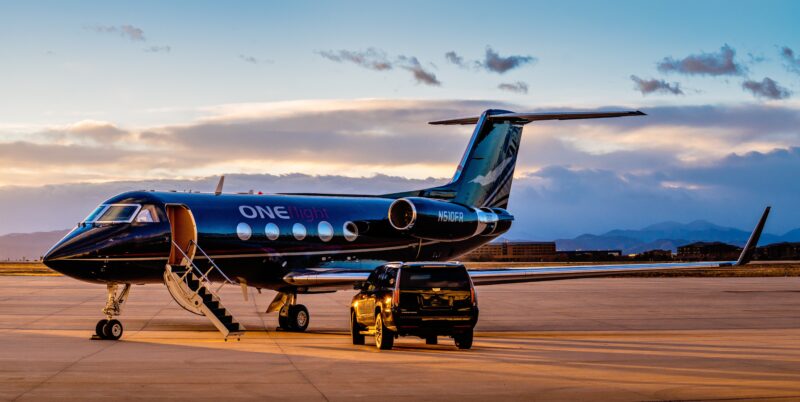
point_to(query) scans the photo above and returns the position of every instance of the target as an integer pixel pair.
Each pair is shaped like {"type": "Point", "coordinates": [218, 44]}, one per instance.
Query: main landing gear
{"type": "Point", "coordinates": [110, 328]}
{"type": "Point", "coordinates": [291, 316]}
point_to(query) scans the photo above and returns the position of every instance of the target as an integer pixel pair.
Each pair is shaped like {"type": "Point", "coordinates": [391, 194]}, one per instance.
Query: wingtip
{"type": "Point", "coordinates": [750, 248]}
{"type": "Point", "coordinates": [639, 113]}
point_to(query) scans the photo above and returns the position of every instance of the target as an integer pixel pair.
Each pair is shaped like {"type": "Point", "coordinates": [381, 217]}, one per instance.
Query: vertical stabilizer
{"type": "Point", "coordinates": [483, 177]}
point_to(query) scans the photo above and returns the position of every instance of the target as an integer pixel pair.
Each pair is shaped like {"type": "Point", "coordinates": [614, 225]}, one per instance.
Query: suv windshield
{"type": "Point", "coordinates": [113, 213]}
{"type": "Point", "coordinates": [428, 278]}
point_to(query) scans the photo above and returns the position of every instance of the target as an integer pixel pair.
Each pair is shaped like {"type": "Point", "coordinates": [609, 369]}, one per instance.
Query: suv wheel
{"type": "Point", "coordinates": [431, 339]}
{"type": "Point", "coordinates": [355, 330]}
{"type": "Point", "coordinates": [464, 341]}
{"type": "Point", "coordinates": [384, 338]}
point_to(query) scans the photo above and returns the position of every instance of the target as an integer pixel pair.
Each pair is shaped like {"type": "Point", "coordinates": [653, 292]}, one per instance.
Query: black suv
{"type": "Point", "coordinates": [420, 299]}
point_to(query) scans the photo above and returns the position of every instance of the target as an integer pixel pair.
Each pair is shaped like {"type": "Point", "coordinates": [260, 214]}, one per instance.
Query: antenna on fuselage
{"type": "Point", "coordinates": [221, 183]}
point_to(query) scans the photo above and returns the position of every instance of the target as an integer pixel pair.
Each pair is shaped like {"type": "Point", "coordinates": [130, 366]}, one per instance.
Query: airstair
{"type": "Point", "coordinates": [193, 289]}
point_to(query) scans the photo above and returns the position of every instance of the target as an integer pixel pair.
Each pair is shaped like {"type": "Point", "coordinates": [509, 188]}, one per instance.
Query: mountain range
{"type": "Point", "coordinates": [664, 236]}
{"type": "Point", "coordinates": [667, 236]}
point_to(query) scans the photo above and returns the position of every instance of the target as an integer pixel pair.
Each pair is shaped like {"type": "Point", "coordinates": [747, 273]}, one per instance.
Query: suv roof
{"type": "Point", "coordinates": [434, 264]}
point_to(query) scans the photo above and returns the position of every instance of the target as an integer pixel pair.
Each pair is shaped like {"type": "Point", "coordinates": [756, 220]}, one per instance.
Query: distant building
{"type": "Point", "coordinates": [708, 251]}
{"type": "Point", "coordinates": [779, 251]}
{"type": "Point", "coordinates": [589, 255]}
{"type": "Point", "coordinates": [654, 255]}
{"type": "Point", "coordinates": [514, 251]}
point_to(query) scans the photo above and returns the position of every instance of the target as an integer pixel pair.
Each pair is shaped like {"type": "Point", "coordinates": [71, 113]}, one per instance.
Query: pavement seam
{"type": "Point", "coordinates": [18, 397]}
{"type": "Point", "coordinates": [269, 336]}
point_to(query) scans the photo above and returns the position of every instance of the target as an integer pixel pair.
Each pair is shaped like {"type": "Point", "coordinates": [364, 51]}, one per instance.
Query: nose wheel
{"type": "Point", "coordinates": [110, 328]}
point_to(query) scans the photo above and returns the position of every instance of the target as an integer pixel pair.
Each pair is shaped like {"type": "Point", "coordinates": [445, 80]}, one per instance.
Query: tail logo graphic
{"type": "Point", "coordinates": [493, 175]}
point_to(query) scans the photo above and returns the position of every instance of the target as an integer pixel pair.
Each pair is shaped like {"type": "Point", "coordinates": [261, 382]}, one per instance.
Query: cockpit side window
{"type": "Point", "coordinates": [148, 214]}
{"type": "Point", "coordinates": [113, 213]}
{"type": "Point", "coordinates": [96, 213]}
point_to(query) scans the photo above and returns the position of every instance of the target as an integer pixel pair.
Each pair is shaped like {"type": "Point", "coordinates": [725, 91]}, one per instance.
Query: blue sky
{"type": "Point", "coordinates": [97, 90]}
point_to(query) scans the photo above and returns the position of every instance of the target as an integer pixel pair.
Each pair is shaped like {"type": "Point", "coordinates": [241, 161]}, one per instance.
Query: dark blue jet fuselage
{"type": "Point", "coordinates": [232, 230]}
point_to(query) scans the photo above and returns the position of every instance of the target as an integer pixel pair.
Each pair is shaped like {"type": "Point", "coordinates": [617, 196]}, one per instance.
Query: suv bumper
{"type": "Point", "coordinates": [429, 323]}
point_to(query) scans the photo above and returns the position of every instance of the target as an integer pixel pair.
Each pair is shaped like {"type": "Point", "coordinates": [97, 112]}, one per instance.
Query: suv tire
{"type": "Point", "coordinates": [355, 330]}
{"type": "Point", "coordinates": [464, 340]}
{"type": "Point", "coordinates": [384, 338]}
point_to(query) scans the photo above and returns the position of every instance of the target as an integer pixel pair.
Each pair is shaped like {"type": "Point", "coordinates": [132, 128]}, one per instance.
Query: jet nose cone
{"type": "Point", "coordinates": [58, 258]}
{"type": "Point", "coordinates": [53, 254]}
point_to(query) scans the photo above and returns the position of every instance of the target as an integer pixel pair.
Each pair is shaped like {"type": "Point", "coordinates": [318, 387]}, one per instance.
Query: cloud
{"type": "Point", "coordinates": [492, 61]}
{"type": "Point", "coordinates": [495, 63]}
{"type": "Point", "coordinates": [714, 64]}
{"type": "Point", "coordinates": [358, 137]}
{"type": "Point", "coordinates": [677, 163]}
{"type": "Point", "coordinates": [91, 131]}
{"type": "Point", "coordinates": [454, 58]}
{"type": "Point", "coordinates": [158, 49]}
{"type": "Point", "coordinates": [518, 87]}
{"type": "Point", "coordinates": [377, 60]}
{"type": "Point", "coordinates": [559, 201]}
{"type": "Point", "coordinates": [792, 61]}
{"type": "Point", "coordinates": [420, 74]}
{"type": "Point", "coordinates": [551, 202]}
{"type": "Point", "coordinates": [248, 59]}
{"type": "Point", "coordinates": [126, 31]}
{"type": "Point", "coordinates": [767, 88]}
{"type": "Point", "coordinates": [371, 58]}
{"type": "Point", "coordinates": [650, 86]}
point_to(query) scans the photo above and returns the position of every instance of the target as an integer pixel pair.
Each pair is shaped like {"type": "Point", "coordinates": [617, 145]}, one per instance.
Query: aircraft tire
{"type": "Point", "coordinates": [298, 318]}
{"type": "Point", "coordinates": [283, 322]}
{"type": "Point", "coordinates": [464, 341]}
{"type": "Point", "coordinates": [98, 329]}
{"type": "Point", "coordinates": [355, 330]}
{"type": "Point", "coordinates": [112, 330]}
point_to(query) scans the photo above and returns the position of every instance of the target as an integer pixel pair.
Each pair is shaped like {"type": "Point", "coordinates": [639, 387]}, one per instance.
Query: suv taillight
{"type": "Point", "coordinates": [396, 292]}
{"type": "Point", "coordinates": [473, 296]}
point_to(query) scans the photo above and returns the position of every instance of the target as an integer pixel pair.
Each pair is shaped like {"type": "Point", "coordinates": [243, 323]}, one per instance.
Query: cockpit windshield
{"type": "Point", "coordinates": [113, 213]}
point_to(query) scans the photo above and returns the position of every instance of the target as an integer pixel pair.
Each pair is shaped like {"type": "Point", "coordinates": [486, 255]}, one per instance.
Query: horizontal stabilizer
{"type": "Point", "coordinates": [525, 118]}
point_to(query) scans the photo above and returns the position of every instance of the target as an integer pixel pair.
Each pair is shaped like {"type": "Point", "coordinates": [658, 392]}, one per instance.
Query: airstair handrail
{"type": "Point", "coordinates": [191, 263]}
{"type": "Point", "coordinates": [212, 263]}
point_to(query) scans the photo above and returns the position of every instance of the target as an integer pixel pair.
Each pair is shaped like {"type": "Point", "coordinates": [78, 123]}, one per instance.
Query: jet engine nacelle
{"type": "Point", "coordinates": [431, 219]}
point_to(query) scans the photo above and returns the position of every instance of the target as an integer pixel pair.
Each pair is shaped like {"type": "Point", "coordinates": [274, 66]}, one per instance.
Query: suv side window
{"type": "Point", "coordinates": [386, 279]}
{"type": "Point", "coordinates": [373, 279]}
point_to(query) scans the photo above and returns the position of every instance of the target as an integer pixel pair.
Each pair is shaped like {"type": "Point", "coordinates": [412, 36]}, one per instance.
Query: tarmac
{"type": "Point", "coordinates": [626, 339]}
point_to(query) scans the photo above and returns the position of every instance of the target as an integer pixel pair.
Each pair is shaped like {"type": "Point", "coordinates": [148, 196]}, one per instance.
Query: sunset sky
{"type": "Point", "coordinates": [100, 98]}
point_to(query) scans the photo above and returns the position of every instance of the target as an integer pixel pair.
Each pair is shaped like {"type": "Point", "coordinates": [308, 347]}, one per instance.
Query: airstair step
{"type": "Point", "coordinates": [233, 327]}
{"type": "Point", "coordinates": [188, 284]}
{"type": "Point", "coordinates": [225, 320]}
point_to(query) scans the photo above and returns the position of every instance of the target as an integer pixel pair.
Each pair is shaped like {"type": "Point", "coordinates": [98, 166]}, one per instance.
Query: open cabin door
{"type": "Point", "coordinates": [184, 234]}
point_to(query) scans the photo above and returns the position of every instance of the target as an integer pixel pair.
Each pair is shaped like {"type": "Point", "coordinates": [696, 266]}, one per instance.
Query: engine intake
{"type": "Point", "coordinates": [432, 219]}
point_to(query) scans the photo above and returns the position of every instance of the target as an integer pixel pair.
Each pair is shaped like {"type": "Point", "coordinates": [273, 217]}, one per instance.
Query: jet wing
{"type": "Point", "coordinates": [328, 279]}
{"type": "Point", "coordinates": [551, 273]}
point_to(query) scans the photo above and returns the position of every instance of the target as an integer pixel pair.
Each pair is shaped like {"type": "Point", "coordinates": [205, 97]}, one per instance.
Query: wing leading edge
{"type": "Point", "coordinates": [335, 279]}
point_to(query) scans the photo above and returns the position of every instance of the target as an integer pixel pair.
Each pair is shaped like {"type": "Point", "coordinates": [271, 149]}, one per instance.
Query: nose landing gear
{"type": "Point", "coordinates": [110, 328]}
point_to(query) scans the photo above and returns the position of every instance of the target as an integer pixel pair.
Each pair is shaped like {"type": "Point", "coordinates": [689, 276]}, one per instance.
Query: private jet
{"type": "Point", "coordinates": [306, 243]}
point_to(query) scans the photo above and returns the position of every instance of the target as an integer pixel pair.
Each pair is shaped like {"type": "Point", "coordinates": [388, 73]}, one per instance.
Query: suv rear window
{"type": "Point", "coordinates": [428, 278]}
